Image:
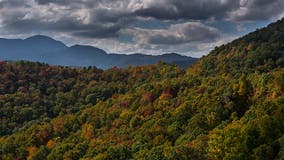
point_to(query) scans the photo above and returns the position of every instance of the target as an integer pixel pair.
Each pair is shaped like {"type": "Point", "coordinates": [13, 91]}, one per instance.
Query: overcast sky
{"type": "Point", "coordinates": [188, 27]}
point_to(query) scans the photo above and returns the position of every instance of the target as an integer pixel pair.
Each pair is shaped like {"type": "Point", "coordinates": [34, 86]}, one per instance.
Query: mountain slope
{"type": "Point", "coordinates": [45, 49]}
{"type": "Point", "coordinates": [262, 50]}
{"type": "Point", "coordinates": [33, 48]}
{"type": "Point", "coordinates": [147, 112]}
{"type": "Point", "coordinates": [45, 43]}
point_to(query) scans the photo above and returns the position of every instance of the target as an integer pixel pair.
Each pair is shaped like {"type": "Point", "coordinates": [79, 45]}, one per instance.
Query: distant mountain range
{"type": "Point", "coordinates": [45, 49]}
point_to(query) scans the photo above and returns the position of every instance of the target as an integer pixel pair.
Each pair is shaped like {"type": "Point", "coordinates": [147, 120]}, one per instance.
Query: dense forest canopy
{"type": "Point", "coordinates": [229, 105]}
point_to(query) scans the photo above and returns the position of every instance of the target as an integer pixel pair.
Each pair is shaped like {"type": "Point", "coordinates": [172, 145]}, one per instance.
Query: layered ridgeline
{"type": "Point", "coordinates": [229, 105]}
{"type": "Point", "coordinates": [45, 49]}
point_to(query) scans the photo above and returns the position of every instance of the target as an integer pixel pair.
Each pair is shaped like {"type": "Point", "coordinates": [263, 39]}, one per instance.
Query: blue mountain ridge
{"type": "Point", "coordinates": [44, 49]}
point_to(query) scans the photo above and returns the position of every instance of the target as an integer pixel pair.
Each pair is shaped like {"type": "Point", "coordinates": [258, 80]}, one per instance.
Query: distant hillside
{"type": "Point", "coordinates": [262, 50]}
{"type": "Point", "coordinates": [45, 49]}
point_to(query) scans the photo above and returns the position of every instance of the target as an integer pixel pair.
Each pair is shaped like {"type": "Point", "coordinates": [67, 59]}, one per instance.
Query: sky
{"type": "Point", "coordinates": [187, 27]}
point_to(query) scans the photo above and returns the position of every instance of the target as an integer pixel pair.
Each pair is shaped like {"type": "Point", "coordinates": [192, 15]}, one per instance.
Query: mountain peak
{"type": "Point", "coordinates": [41, 38]}
{"type": "Point", "coordinates": [173, 55]}
{"type": "Point", "coordinates": [38, 36]}
{"type": "Point", "coordinates": [87, 48]}
{"type": "Point", "coordinates": [82, 46]}
{"type": "Point", "coordinates": [45, 40]}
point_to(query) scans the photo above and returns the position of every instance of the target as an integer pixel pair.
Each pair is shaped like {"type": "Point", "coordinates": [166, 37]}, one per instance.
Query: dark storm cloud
{"type": "Point", "coordinates": [234, 10]}
{"type": "Point", "coordinates": [52, 1]}
{"type": "Point", "coordinates": [217, 9]}
{"type": "Point", "coordinates": [11, 3]}
{"type": "Point", "coordinates": [96, 18]}
{"type": "Point", "coordinates": [85, 3]}
{"type": "Point", "coordinates": [90, 23]}
{"type": "Point", "coordinates": [95, 30]}
{"type": "Point", "coordinates": [194, 9]}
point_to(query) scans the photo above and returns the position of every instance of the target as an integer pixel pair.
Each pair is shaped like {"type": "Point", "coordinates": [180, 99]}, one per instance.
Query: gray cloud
{"type": "Point", "coordinates": [42, 2]}
{"type": "Point", "coordinates": [194, 9]}
{"type": "Point", "coordinates": [235, 10]}
{"type": "Point", "coordinates": [179, 34]}
{"type": "Point", "coordinates": [94, 18]}
{"type": "Point", "coordinates": [11, 3]}
{"type": "Point", "coordinates": [99, 31]}
{"type": "Point", "coordinates": [100, 22]}
{"type": "Point", "coordinates": [188, 38]}
{"type": "Point", "coordinates": [252, 10]}
{"type": "Point", "coordinates": [179, 9]}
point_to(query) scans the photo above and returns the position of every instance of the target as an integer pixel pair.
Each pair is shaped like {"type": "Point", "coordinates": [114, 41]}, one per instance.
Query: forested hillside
{"type": "Point", "coordinates": [229, 105]}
